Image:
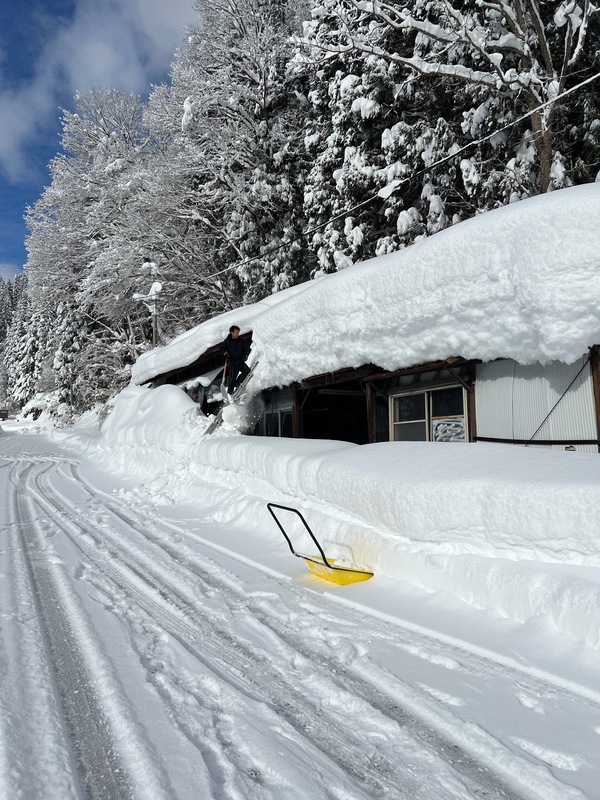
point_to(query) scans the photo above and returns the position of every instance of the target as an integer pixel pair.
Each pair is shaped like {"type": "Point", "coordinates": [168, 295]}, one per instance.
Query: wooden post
{"type": "Point", "coordinates": [297, 414]}
{"type": "Point", "coordinates": [472, 430]}
{"type": "Point", "coordinates": [370, 394]}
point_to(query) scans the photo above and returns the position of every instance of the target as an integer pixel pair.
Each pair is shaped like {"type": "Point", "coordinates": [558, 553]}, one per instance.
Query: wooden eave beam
{"type": "Point", "coordinates": [433, 366]}
{"type": "Point", "coordinates": [595, 373]}
{"type": "Point", "coordinates": [339, 376]}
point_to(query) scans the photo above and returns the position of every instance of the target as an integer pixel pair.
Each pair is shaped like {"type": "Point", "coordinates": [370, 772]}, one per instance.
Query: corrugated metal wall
{"type": "Point", "coordinates": [512, 400]}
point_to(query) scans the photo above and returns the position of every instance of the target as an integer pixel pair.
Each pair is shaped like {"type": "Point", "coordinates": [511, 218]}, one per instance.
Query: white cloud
{"type": "Point", "coordinates": [8, 272]}
{"type": "Point", "coordinates": [108, 43]}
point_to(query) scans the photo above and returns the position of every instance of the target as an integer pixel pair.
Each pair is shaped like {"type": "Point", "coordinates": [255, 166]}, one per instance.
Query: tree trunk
{"type": "Point", "coordinates": [543, 135]}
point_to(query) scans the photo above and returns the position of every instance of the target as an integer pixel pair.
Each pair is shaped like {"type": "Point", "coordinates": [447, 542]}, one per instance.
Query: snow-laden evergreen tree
{"type": "Point", "coordinates": [368, 127]}
{"type": "Point", "coordinates": [16, 288]}
{"type": "Point", "coordinates": [5, 317]}
{"type": "Point", "coordinates": [347, 106]}
{"type": "Point", "coordinates": [88, 361]}
{"type": "Point", "coordinates": [510, 58]}
{"type": "Point", "coordinates": [396, 91]}
{"type": "Point", "coordinates": [5, 308]}
{"type": "Point", "coordinates": [15, 365]}
{"type": "Point", "coordinates": [25, 351]}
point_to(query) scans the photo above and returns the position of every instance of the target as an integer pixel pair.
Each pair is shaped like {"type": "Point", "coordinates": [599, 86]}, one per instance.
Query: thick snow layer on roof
{"type": "Point", "coordinates": [519, 282]}
{"type": "Point", "coordinates": [189, 346]}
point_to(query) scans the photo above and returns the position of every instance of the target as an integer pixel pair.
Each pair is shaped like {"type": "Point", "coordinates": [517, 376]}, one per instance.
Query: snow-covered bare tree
{"type": "Point", "coordinates": [82, 252]}
{"type": "Point", "coordinates": [239, 145]}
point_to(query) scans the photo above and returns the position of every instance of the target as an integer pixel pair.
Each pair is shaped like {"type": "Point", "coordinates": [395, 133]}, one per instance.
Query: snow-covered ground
{"type": "Point", "coordinates": [159, 640]}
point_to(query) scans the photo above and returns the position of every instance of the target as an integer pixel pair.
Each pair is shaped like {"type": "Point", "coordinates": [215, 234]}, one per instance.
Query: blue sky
{"type": "Point", "coordinates": [49, 49]}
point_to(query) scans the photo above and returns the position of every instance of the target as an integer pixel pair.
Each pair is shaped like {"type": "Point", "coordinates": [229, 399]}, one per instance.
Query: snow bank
{"type": "Point", "coordinates": [507, 529]}
{"type": "Point", "coordinates": [518, 282]}
{"type": "Point", "coordinates": [145, 432]}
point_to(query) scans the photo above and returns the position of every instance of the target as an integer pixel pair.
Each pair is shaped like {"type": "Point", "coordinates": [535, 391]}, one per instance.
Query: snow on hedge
{"type": "Point", "coordinates": [519, 282]}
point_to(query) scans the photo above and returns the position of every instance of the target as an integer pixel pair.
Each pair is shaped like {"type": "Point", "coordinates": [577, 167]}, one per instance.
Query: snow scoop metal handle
{"type": "Point", "coordinates": [271, 506]}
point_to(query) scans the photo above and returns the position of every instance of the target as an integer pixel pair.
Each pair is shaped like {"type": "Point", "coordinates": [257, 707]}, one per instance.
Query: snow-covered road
{"type": "Point", "coordinates": [140, 659]}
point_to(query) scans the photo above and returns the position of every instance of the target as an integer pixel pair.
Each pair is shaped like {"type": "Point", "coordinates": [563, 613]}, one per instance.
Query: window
{"type": "Point", "coordinates": [277, 416]}
{"type": "Point", "coordinates": [410, 423]}
{"type": "Point", "coordinates": [436, 415]}
{"type": "Point", "coordinates": [278, 423]}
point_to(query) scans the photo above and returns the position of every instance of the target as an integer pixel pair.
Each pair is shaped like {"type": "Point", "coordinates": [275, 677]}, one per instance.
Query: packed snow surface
{"type": "Point", "coordinates": [519, 282]}
{"type": "Point", "coordinates": [159, 640]}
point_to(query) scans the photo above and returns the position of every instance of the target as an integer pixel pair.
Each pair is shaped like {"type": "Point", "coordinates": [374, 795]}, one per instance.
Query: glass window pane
{"type": "Point", "coordinates": [272, 424]}
{"type": "Point", "coordinates": [410, 432]}
{"type": "Point", "coordinates": [447, 402]}
{"type": "Point", "coordinates": [409, 407]}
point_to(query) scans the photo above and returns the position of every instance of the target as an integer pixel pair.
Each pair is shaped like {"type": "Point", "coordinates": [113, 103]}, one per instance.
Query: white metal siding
{"type": "Point", "coordinates": [512, 400]}
{"type": "Point", "coordinates": [493, 399]}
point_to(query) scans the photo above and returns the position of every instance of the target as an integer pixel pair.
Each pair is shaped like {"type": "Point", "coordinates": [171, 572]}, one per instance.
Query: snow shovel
{"type": "Point", "coordinates": [320, 565]}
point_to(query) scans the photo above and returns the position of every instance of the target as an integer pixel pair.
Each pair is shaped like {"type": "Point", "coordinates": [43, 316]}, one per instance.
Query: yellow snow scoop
{"type": "Point", "coordinates": [320, 565]}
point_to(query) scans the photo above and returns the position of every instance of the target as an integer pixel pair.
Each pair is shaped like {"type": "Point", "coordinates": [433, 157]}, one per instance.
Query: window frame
{"type": "Point", "coordinates": [428, 411]}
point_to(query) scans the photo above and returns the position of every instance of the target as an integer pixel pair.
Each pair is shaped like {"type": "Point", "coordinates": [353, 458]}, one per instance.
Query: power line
{"type": "Point", "coordinates": [400, 182]}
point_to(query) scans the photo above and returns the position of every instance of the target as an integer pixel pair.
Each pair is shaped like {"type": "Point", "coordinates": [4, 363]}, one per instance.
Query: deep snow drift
{"type": "Point", "coordinates": [502, 528]}
{"type": "Point", "coordinates": [518, 282]}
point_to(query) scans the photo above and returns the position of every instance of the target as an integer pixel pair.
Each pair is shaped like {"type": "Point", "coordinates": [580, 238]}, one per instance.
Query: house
{"type": "Point", "coordinates": [486, 331]}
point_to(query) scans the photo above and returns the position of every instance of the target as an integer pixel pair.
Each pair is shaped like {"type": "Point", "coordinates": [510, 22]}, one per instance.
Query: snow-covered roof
{"type": "Point", "coordinates": [184, 349]}
{"type": "Point", "coordinates": [520, 282]}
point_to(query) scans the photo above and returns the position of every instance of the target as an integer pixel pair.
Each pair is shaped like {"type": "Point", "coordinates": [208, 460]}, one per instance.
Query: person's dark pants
{"type": "Point", "coordinates": [237, 372]}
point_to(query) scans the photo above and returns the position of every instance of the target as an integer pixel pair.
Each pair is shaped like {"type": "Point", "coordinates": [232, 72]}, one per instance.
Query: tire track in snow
{"type": "Point", "coordinates": [481, 781]}
{"type": "Point", "coordinates": [32, 726]}
{"type": "Point", "coordinates": [230, 658]}
{"type": "Point", "coordinates": [485, 661]}
{"type": "Point", "coordinates": [83, 682]}
{"type": "Point", "coordinates": [412, 706]}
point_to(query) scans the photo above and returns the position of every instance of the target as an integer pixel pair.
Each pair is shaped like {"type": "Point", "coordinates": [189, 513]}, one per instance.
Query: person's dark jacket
{"type": "Point", "coordinates": [236, 350]}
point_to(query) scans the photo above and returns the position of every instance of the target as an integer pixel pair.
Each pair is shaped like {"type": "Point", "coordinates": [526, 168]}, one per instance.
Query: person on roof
{"type": "Point", "coordinates": [236, 352]}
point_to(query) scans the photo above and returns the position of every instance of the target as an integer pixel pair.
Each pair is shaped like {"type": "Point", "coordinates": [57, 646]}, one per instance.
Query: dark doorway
{"type": "Point", "coordinates": [336, 411]}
